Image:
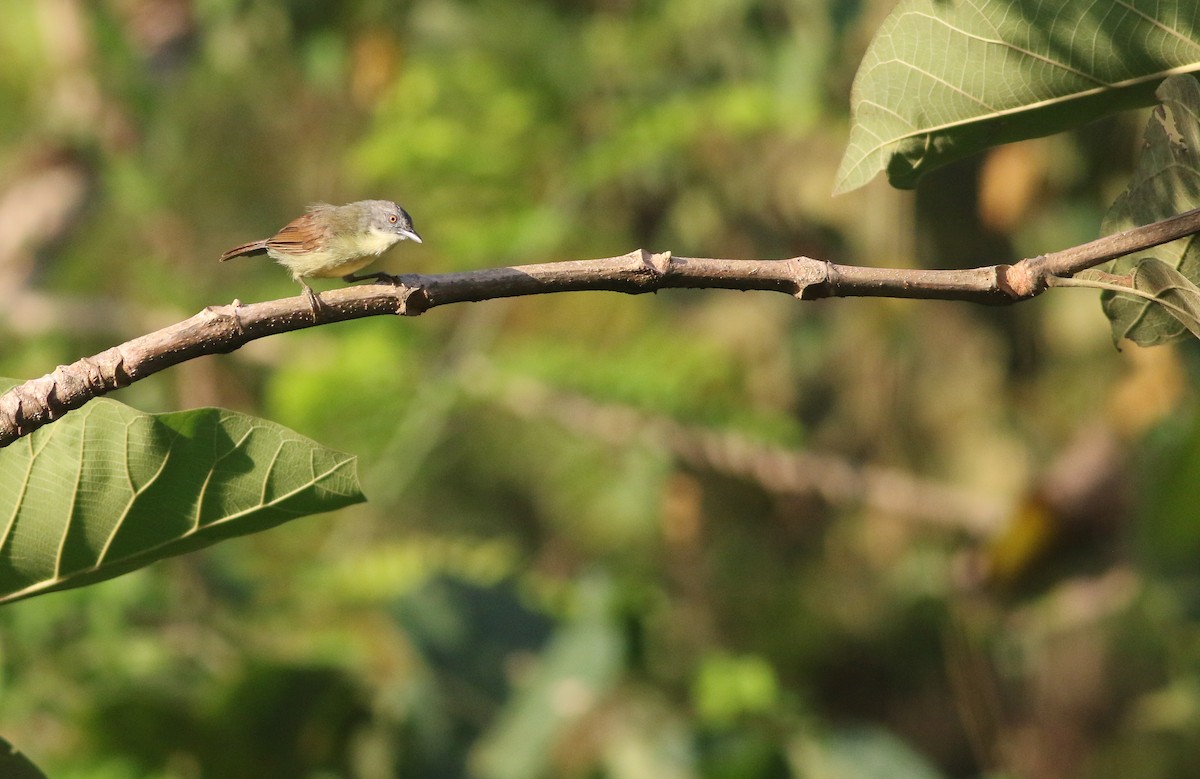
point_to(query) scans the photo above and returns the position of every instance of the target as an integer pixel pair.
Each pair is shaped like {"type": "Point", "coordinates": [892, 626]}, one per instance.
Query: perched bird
{"type": "Point", "coordinates": [334, 241]}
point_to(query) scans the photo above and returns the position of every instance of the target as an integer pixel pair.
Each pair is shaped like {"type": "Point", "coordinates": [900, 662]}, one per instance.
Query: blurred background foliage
{"type": "Point", "coordinates": [698, 534]}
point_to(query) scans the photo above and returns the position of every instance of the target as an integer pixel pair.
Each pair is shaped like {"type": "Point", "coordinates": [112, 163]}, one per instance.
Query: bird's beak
{"type": "Point", "coordinates": [410, 235]}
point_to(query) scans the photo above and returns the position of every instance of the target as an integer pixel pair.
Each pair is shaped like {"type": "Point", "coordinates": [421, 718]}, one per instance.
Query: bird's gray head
{"type": "Point", "coordinates": [384, 216]}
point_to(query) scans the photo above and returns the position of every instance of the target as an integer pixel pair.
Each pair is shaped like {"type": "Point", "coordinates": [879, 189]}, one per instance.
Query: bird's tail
{"type": "Point", "coordinates": [245, 250]}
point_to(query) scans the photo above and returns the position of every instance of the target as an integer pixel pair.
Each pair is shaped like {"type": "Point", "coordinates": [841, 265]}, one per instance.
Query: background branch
{"type": "Point", "coordinates": [220, 329]}
{"type": "Point", "coordinates": [777, 470]}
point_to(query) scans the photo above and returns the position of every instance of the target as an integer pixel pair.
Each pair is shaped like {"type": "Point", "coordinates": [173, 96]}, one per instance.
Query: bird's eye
{"type": "Point", "coordinates": [392, 219]}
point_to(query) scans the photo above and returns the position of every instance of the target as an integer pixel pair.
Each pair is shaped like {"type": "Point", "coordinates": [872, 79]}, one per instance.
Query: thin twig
{"type": "Point", "coordinates": [1029, 277]}
{"type": "Point", "coordinates": [220, 329]}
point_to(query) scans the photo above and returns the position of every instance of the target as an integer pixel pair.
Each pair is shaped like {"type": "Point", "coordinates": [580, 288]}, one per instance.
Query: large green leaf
{"type": "Point", "coordinates": [1165, 182]}
{"type": "Point", "coordinates": [945, 78]}
{"type": "Point", "coordinates": [108, 489]}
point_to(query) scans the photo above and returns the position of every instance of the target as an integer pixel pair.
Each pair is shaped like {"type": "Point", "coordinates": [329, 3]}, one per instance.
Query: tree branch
{"type": "Point", "coordinates": [220, 329]}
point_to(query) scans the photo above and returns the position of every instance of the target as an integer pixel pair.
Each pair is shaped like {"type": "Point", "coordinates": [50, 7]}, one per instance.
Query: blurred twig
{"type": "Point", "coordinates": [219, 329]}
{"type": "Point", "coordinates": [777, 470]}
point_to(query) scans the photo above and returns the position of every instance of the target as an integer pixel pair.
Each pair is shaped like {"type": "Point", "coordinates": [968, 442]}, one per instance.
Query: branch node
{"type": "Point", "coordinates": [90, 374]}
{"type": "Point", "coordinates": [18, 413]}
{"type": "Point", "coordinates": [409, 302]}
{"type": "Point", "coordinates": [658, 263]}
{"type": "Point", "coordinates": [54, 405]}
{"type": "Point", "coordinates": [1024, 280]}
{"type": "Point", "coordinates": [217, 319]}
{"type": "Point", "coordinates": [120, 376]}
{"type": "Point", "coordinates": [807, 274]}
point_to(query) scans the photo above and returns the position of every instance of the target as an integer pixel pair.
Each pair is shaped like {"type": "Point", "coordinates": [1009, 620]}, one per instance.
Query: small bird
{"type": "Point", "coordinates": [334, 241]}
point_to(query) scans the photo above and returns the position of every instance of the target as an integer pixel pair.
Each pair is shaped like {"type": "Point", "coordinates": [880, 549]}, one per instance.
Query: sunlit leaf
{"type": "Point", "coordinates": [1165, 182]}
{"type": "Point", "coordinates": [942, 80]}
{"type": "Point", "coordinates": [108, 489]}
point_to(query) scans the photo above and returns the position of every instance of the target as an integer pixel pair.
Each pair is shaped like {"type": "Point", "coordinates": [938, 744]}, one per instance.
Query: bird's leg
{"type": "Point", "coordinates": [314, 301]}
{"type": "Point", "coordinates": [380, 277]}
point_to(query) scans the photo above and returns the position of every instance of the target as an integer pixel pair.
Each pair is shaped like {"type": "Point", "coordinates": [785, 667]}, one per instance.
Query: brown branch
{"type": "Point", "coordinates": [220, 329]}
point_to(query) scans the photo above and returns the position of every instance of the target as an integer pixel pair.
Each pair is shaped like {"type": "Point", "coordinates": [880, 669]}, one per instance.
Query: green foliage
{"type": "Point", "coordinates": [109, 489]}
{"type": "Point", "coordinates": [576, 669]}
{"type": "Point", "coordinates": [941, 80]}
{"type": "Point", "coordinates": [375, 370]}
{"type": "Point", "coordinates": [560, 126]}
{"type": "Point", "coordinates": [1170, 537]}
{"type": "Point", "coordinates": [697, 382]}
{"type": "Point", "coordinates": [728, 687]}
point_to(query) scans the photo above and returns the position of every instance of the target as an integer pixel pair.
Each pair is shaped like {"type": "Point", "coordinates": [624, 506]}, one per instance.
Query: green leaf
{"type": "Point", "coordinates": [108, 489]}
{"type": "Point", "coordinates": [1173, 291]}
{"type": "Point", "coordinates": [942, 80]}
{"type": "Point", "coordinates": [1159, 305]}
{"type": "Point", "coordinates": [1165, 182]}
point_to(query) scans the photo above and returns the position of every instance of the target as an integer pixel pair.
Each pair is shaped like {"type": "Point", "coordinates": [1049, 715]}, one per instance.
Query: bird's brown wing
{"type": "Point", "coordinates": [302, 234]}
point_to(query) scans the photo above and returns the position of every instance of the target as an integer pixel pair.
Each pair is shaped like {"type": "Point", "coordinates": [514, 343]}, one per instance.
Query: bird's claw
{"type": "Point", "coordinates": [314, 302]}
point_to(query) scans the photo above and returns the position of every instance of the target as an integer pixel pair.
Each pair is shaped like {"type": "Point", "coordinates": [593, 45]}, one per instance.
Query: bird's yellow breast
{"type": "Point", "coordinates": [340, 256]}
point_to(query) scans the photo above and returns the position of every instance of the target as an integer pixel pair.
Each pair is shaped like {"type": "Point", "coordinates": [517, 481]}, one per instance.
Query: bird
{"type": "Point", "coordinates": [334, 241]}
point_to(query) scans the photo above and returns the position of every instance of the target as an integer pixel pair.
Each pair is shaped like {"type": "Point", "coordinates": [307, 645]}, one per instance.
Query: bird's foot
{"type": "Point", "coordinates": [382, 278]}
{"type": "Point", "coordinates": [314, 302]}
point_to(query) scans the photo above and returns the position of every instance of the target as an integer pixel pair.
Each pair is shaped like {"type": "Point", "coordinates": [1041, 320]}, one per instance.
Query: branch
{"type": "Point", "coordinates": [221, 329]}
